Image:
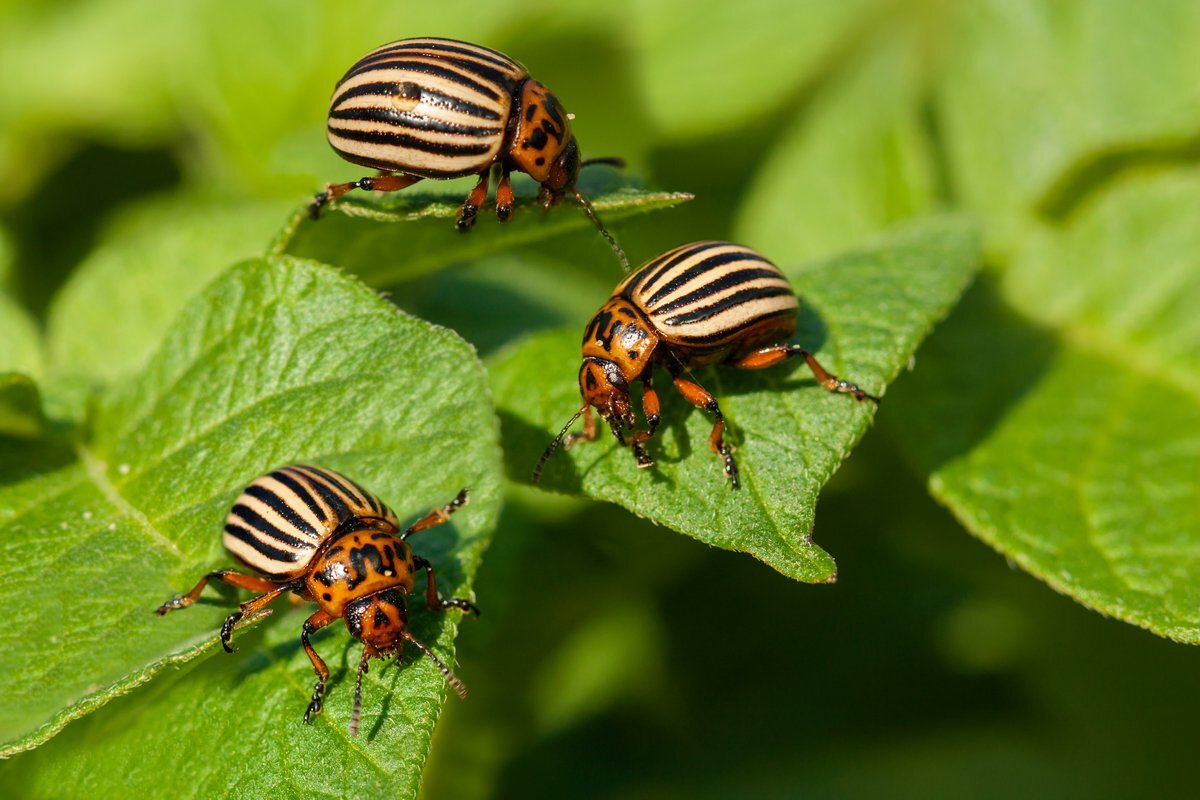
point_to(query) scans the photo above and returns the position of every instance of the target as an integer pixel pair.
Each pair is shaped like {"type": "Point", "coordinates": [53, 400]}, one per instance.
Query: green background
{"type": "Point", "coordinates": [1055, 415]}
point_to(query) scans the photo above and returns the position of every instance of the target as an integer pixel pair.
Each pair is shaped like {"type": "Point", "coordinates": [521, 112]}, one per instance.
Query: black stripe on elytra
{"type": "Point", "coordinates": [426, 68]}
{"type": "Point", "coordinates": [704, 265]}
{"type": "Point", "coordinates": [262, 548]}
{"type": "Point", "coordinates": [342, 511]}
{"type": "Point", "coordinates": [260, 524]}
{"type": "Point", "coordinates": [729, 280]}
{"type": "Point", "coordinates": [428, 96]}
{"type": "Point", "coordinates": [281, 507]}
{"type": "Point", "coordinates": [398, 139]}
{"type": "Point", "coordinates": [726, 303]}
{"type": "Point", "coordinates": [407, 119]}
{"type": "Point", "coordinates": [450, 46]}
{"type": "Point", "coordinates": [392, 166]}
{"type": "Point", "coordinates": [299, 486]}
{"type": "Point", "coordinates": [654, 271]}
{"type": "Point", "coordinates": [349, 488]}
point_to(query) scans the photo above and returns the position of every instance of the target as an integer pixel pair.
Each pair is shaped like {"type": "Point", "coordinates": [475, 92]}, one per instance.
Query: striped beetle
{"type": "Point", "coordinates": [323, 537]}
{"type": "Point", "coordinates": [440, 109]}
{"type": "Point", "coordinates": [701, 303]}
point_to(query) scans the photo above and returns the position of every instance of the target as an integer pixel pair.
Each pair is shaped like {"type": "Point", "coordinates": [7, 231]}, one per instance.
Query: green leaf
{"type": "Point", "coordinates": [704, 73]}
{"type": "Point", "coordinates": [858, 161]}
{"type": "Point", "coordinates": [278, 361]}
{"type": "Point", "coordinates": [1072, 444]}
{"type": "Point", "coordinates": [405, 234]}
{"type": "Point", "coordinates": [1032, 90]}
{"type": "Point", "coordinates": [112, 313]}
{"type": "Point", "coordinates": [864, 313]}
{"type": "Point", "coordinates": [20, 366]}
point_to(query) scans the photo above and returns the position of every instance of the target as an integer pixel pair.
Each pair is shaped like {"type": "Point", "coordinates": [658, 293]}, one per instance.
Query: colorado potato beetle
{"type": "Point", "coordinates": [702, 303]}
{"type": "Point", "coordinates": [439, 109]}
{"type": "Point", "coordinates": [319, 535]}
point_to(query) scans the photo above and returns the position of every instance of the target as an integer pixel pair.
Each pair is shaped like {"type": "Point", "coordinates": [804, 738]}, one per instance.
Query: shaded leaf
{"type": "Point", "coordinates": [1067, 435]}
{"type": "Point", "coordinates": [278, 361]}
{"type": "Point", "coordinates": [863, 314]}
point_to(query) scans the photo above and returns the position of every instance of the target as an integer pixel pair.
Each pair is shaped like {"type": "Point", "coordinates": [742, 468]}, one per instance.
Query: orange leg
{"type": "Point", "coordinates": [588, 433]}
{"type": "Point", "coordinates": [232, 577]}
{"type": "Point", "coordinates": [248, 608]}
{"type": "Point", "coordinates": [504, 198]}
{"type": "Point", "coordinates": [435, 600]}
{"type": "Point", "coordinates": [651, 409]}
{"type": "Point", "coordinates": [378, 183]}
{"type": "Point", "coordinates": [314, 623]}
{"type": "Point", "coordinates": [437, 516]}
{"type": "Point", "coordinates": [698, 396]}
{"type": "Point", "coordinates": [475, 201]}
{"type": "Point", "coordinates": [770, 356]}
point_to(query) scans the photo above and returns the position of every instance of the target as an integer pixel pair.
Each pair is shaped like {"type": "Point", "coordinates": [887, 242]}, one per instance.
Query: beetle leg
{"type": "Point", "coordinates": [770, 356]}
{"type": "Point", "coordinates": [474, 202]}
{"type": "Point", "coordinates": [437, 516]}
{"type": "Point", "coordinates": [435, 600]}
{"type": "Point", "coordinates": [651, 409]}
{"type": "Point", "coordinates": [314, 623]}
{"type": "Point", "coordinates": [698, 396]}
{"type": "Point", "coordinates": [377, 183]}
{"type": "Point", "coordinates": [504, 198]}
{"type": "Point", "coordinates": [248, 608]}
{"type": "Point", "coordinates": [232, 577]}
{"type": "Point", "coordinates": [588, 433]}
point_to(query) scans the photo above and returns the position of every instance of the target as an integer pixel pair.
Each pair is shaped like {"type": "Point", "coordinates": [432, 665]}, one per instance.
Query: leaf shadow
{"type": "Point", "coordinates": [978, 365]}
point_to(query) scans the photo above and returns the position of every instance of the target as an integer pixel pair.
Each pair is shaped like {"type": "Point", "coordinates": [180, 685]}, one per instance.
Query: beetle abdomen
{"type": "Point", "coordinates": [713, 295]}
{"type": "Point", "coordinates": [437, 108]}
{"type": "Point", "coordinates": [281, 519]}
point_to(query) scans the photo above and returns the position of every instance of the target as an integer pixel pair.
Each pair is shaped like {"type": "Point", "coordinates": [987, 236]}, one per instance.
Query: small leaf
{"type": "Point", "coordinates": [1072, 444]}
{"type": "Point", "coordinates": [112, 313]}
{"type": "Point", "coordinates": [864, 314]}
{"type": "Point", "coordinates": [21, 364]}
{"type": "Point", "coordinates": [278, 361]}
{"type": "Point", "coordinates": [399, 236]}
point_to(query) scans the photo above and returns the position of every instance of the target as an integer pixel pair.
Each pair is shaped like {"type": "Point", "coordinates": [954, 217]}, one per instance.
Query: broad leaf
{"type": "Point", "coordinates": [859, 161]}
{"type": "Point", "coordinates": [863, 314]}
{"type": "Point", "coordinates": [1034, 91]}
{"type": "Point", "coordinates": [1073, 445]}
{"type": "Point", "coordinates": [278, 361]}
{"type": "Point", "coordinates": [400, 236]}
{"type": "Point", "coordinates": [753, 58]}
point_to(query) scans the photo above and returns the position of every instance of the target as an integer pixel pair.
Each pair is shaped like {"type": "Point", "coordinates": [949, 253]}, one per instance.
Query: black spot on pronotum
{"type": "Point", "coordinates": [381, 618]}
{"type": "Point", "coordinates": [327, 597]}
{"type": "Point", "coordinates": [536, 140]}
{"type": "Point", "coordinates": [540, 161]}
{"type": "Point", "coordinates": [530, 112]}
{"type": "Point", "coordinates": [633, 354]}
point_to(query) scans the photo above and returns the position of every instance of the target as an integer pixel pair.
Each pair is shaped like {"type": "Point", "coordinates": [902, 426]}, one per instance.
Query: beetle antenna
{"type": "Point", "coordinates": [591, 212]}
{"type": "Point", "coordinates": [354, 715]}
{"type": "Point", "coordinates": [537, 471]}
{"type": "Point", "coordinates": [612, 161]}
{"type": "Point", "coordinates": [450, 677]}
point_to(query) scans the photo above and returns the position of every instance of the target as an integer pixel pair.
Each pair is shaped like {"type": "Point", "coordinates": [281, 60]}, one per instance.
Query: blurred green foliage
{"type": "Point", "coordinates": [146, 146]}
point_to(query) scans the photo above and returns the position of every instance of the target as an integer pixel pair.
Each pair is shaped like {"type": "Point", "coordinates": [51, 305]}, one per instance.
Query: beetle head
{"type": "Point", "coordinates": [378, 620]}
{"type": "Point", "coordinates": [605, 388]}
{"type": "Point", "coordinates": [564, 171]}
